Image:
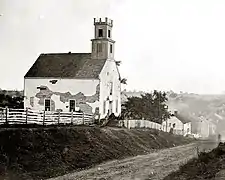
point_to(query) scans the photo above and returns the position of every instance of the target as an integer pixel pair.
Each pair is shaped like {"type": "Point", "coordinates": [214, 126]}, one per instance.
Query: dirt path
{"type": "Point", "coordinates": [154, 166]}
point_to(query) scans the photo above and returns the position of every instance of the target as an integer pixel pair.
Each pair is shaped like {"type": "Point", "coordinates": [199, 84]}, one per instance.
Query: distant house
{"type": "Point", "coordinates": [89, 82]}
{"type": "Point", "coordinates": [205, 128]}
{"type": "Point", "coordinates": [177, 124]}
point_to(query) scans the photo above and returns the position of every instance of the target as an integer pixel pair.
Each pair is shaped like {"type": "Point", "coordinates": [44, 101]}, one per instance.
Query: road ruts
{"type": "Point", "coordinates": [154, 166]}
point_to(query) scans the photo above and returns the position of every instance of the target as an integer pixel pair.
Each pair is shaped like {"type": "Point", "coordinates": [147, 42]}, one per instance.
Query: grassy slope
{"type": "Point", "coordinates": [43, 153]}
{"type": "Point", "coordinates": [204, 167]}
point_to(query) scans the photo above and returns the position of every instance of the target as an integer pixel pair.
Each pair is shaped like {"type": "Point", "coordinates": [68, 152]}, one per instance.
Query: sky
{"type": "Point", "coordinates": [174, 45]}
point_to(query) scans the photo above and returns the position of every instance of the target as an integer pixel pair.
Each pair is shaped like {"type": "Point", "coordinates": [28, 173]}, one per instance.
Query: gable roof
{"type": "Point", "coordinates": [66, 65]}
{"type": "Point", "coordinates": [183, 119]}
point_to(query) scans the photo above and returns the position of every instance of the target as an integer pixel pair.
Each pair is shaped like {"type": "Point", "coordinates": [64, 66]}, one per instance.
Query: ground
{"type": "Point", "coordinates": [154, 166]}
{"type": "Point", "coordinates": [41, 153]}
{"type": "Point", "coordinates": [208, 165]}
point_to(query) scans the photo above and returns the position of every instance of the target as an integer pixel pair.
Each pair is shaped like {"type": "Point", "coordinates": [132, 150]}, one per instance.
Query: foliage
{"type": "Point", "coordinates": [150, 106]}
{"type": "Point", "coordinates": [205, 166]}
{"type": "Point", "coordinates": [123, 81]}
{"type": "Point", "coordinates": [44, 153]}
{"type": "Point", "coordinates": [11, 101]}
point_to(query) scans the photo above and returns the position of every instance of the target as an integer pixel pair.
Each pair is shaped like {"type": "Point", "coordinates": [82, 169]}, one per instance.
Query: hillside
{"type": "Point", "coordinates": [209, 107]}
{"type": "Point", "coordinates": [43, 153]}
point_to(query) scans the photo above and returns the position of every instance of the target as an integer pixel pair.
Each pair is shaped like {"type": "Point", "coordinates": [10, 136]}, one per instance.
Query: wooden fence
{"type": "Point", "coordinates": [140, 124]}
{"type": "Point", "coordinates": [148, 124]}
{"type": "Point", "coordinates": [28, 116]}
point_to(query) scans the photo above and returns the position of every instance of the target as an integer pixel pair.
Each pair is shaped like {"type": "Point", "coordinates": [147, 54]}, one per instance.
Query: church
{"type": "Point", "coordinates": [87, 82]}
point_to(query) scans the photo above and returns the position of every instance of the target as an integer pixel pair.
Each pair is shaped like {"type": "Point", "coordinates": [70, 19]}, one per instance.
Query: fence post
{"type": "Point", "coordinates": [83, 118]}
{"type": "Point", "coordinates": [6, 115]}
{"type": "Point", "coordinates": [58, 117]}
{"type": "Point", "coordinates": [44, 118]}
{"type": "Point", "coordinates": [166, 125]}
{"type": "Point", "coordinates": [2, 114]}
{"type": "Point", "coordinates": [72, 117]}
{"type": "Point", "coordinates": [26, 114]}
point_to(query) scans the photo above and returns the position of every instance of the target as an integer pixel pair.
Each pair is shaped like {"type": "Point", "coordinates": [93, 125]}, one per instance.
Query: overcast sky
{"type": "Point", "coordinates": [163, 44]}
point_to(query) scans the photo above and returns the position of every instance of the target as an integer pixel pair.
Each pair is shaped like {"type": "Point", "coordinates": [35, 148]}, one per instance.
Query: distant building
{"type": "Point", "coordinates": [177, 124]}
{"type": "Point", "coordinates": [89, 82]}
{"type": "Point", "coordinates": [205, 128]}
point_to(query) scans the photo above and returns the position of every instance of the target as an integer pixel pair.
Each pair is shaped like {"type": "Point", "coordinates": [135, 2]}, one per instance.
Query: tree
{"type": "Point", "coordinates": [131, 108]}
{"type": "Point", "coordinates": [15, 102]}
{"type": "Point", "coordinates": [150, 106]}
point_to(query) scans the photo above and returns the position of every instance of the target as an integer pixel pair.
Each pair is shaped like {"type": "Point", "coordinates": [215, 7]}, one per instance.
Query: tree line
{"type": "Point", "coordinates": [10, 101]}
{"type": "Point", "coordinates": [150, 106]}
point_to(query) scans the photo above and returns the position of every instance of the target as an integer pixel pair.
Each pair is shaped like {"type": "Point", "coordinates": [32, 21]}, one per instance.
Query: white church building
{"type": "Point", "coordinates": [89, 82]}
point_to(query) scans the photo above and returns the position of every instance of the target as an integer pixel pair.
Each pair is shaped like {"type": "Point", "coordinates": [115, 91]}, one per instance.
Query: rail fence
{"type": "Point", "coordinates": [28, 116]}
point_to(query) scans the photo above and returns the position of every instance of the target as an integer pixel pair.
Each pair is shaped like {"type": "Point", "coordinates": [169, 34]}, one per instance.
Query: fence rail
{"type": "Point", "coordinates": [147, 124]}
{"type": "Point", "coordinates": [140, 124]}
{"type": "Point", "coordinates": [28, 116]}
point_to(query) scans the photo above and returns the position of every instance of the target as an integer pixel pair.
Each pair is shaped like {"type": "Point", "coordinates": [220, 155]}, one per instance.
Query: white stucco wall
{"type": "Point", "coordinates": [180, 128]}
{"type": "Point", "coordinates": [187, 128]}
{"type": "Point", "coordinates": [74, 86]}
{"type": "Point", "coordinates": [110, 74]}
{"type": "Point", "coordinates": [203, 128]}
{"type": "Point", "coordinates": [170, 122]}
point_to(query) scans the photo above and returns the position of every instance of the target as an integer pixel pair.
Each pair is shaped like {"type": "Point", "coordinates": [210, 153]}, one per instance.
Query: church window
{"type": "Point", "coordinates": [104, 107]}
{"type": "Point", "coordinates": [47, 104]}
{"type": "Point", "coordinates": [111, 88]}
{"type": "Point", "coordinates": [99, 47]}
{"type": "Point", "coordinates": [72, 105]}
{"type": "Point", "coordinates": [109, 34]}
{"type": "Point", "coordinates": [111, 48]}
{"type": "Point", "coordinates": [117, 105]}
{"type": "Point", "coordinates": [100, 33]}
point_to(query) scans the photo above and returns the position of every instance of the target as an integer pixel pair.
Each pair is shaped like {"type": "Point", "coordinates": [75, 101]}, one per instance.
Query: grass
{"type": "Point", "coordinates": [40, 153]}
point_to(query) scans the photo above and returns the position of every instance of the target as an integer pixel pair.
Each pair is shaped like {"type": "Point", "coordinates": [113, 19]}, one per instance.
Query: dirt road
{"type": "Point", "coordinates": [154, 166]}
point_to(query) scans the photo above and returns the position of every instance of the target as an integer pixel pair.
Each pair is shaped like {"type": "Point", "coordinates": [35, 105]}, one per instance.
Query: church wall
{"type": "Point", "coordinates": [84, 92]}
{"type": "Point", "coordinates": [110, 75]}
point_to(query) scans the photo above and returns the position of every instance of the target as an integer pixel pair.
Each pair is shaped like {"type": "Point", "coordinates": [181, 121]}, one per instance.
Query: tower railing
{"type": "Point", "coordinates": [103, 21]}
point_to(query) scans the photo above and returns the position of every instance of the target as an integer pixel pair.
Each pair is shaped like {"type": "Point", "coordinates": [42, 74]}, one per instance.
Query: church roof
{"type": "Point", "coordinates": [66, 65]}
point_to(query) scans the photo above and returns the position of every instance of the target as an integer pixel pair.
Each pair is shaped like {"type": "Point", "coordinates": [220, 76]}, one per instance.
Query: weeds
{"type": "Point", "coordinates": [204, 166]}
{"type": "Point", "coordinates": [42, 153]}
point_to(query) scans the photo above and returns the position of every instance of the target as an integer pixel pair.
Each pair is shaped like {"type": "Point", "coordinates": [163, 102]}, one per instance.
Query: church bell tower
{"type": "Point", "coordinates": [102, 44]}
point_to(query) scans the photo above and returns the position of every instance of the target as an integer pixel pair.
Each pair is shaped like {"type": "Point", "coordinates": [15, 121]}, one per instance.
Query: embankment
{"type": "Point", "coordinates": [40, 153]}
{"type": "Point", "coordinates": [206, 166]}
